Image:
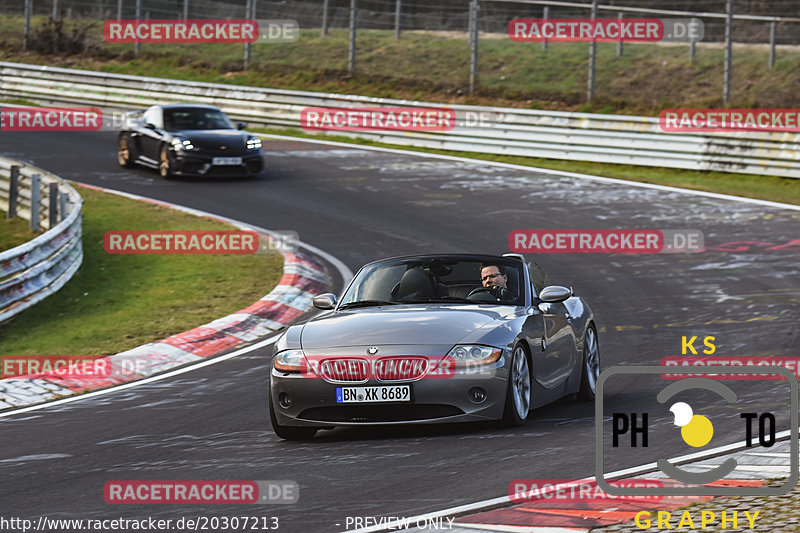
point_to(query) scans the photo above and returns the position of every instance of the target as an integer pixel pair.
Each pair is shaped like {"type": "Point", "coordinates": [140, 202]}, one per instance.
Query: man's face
{"type": "Point", "coordinates": [491, 275]}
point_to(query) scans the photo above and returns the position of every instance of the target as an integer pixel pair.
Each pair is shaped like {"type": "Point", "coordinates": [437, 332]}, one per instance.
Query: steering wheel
{"type": "Point", "coordinates": [480, 290]}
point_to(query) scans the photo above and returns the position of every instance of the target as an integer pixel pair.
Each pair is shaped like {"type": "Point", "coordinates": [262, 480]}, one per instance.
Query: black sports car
{"type": "Point", "coordinates": [188, 140]}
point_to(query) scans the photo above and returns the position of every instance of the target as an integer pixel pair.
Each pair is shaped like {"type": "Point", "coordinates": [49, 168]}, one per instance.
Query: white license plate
{"type": "Point", "coordinates": [226, 161]}
{"type": "Point", "coordinates": [394, 393]}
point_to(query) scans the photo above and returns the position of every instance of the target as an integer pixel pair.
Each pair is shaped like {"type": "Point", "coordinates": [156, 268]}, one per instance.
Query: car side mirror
{"type": "Point", "coordinates": [555, 293]}
{"type": "Point", "coordinates": [325, 301]}
{"type": "Point", "coordinates": [241, 125]}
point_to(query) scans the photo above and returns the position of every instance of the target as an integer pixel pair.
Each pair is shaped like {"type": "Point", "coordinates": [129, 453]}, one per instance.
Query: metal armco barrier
{"type": "Point", "coordinates": [617, 139]}
{"type": "Point", "coordinates": [32, 271]}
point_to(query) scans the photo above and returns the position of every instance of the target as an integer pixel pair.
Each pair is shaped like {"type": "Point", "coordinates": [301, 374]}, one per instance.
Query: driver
{"type": "Point", "coordinates": [495, 277]}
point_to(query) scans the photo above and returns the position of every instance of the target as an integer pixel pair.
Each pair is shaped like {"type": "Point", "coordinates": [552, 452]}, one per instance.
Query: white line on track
{"type": "Point", "coordinates": [344, 271]}
{"type": "Point", "coordinates": [506, 500]}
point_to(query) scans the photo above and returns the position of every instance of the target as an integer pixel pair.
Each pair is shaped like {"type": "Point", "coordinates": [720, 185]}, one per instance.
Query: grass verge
{"type": "Point", "coordinates": [13, 232]}
{"type": "Point", "coordinates": [118, 302]}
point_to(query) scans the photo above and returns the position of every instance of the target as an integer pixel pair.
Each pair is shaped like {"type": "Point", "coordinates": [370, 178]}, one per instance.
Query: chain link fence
{"type": "Point", "coordinates": [763, 25]}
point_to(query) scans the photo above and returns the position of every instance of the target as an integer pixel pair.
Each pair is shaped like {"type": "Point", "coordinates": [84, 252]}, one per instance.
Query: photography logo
{"type": "Point", "coordinates": [699, 409]}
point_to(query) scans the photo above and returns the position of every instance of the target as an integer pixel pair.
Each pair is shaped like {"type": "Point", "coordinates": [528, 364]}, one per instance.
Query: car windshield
{"type": "Point", "coordinates": [195, 118]}
{"type": "Point", "coordinates": [434, 280]}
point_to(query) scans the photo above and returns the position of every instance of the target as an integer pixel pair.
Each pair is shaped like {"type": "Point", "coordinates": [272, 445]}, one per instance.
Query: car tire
{"type": "Point", "coordinates": [519, 389]}
{"type": "Point", "coordinates": [125, 155]}
{"type": "Point", "coordinates": [289, 432]}
{"type": "Point", "coordinates": [164, 163]}
{"type": "Point", "coordinates": [590, 366]}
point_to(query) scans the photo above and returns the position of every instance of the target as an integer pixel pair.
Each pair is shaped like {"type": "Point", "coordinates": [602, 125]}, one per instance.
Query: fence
{"type": "Point", "coordinates": [744, 21]}
{"type": "Point", "coordinates": [549, 134]}
{"type": "Point", "coordinates": [34, 270]}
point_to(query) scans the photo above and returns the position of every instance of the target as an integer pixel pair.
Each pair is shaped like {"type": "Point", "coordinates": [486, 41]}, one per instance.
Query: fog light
{"type": "Point", "coordinates": [284, 400]}
{"type": "Point", "coordinates": [477, 395]}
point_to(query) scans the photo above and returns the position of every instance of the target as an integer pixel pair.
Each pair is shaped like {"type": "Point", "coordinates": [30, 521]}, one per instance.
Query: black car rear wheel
{"type": "Point", "coordinates": [591, 366]}
{"type": "Point", "coordinates": [125, 155]}
{"type": "Point", "coordinates": [289, 432]}
{"type": "Point", "coordinates": [165, 163]}
{"type": "Point", "coordinates": [518, 392]}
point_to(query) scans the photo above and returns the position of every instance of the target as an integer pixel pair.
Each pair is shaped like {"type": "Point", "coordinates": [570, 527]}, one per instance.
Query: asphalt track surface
{"type": "Point", "coordinates": [361, 205]}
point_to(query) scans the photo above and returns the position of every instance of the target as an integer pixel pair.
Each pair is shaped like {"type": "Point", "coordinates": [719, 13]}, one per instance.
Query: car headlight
{"type": "Point", "coordinates": [468, 355]}
{"type": "Point", "coordinates": [253, 143]}
{"type": "Point", "coordinates": [182, 144]}
{"type": "Point", "coordinates": [290, 361]}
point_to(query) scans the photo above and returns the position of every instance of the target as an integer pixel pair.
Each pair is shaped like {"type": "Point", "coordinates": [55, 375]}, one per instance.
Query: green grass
{"type": "Point", "coordinates": [13, 232]}
{"type": "Point", "coordinates": [434, 66]}
{"type": "Point", "coordinates": [117, 302]}
{"type": "Point", "coordinates": [776, 189]}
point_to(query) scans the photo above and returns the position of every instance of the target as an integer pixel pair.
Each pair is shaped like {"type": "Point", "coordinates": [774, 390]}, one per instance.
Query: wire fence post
{"type": "Point", "coordinates": [772, 44]}
{"type": "Point", "coordinates": [250, 15]}
{"type": "Point", "coordinates": [55, 9]}
{"type": "Point", "coordinates": [119, 9]}
{"type": "Point", "coordinates": [36, 197]}
{"type": "Point", "coordinates": [138, 46]}
{"type": "Point", "coordinates": [726, 88]}
{"type": "Point", "coordinates": [325, 4]}
{"type": "Point", "coordinates": [545, 16]}
{"type": "Point", "coordinates": [397, 10]}
{"type": "Point", "coordinates": [619, 43]}
{"type": "Point", "coordinates": [592, 59]}
{"type": "Point", "coordinates": [351, 59]}
{"type": "Point", "coordinates": [185, 9]}
{"type": "Point", "coordinates": [26, 30]}
{"type": "Point", "coordinates": [692, 46]}
{"type": "Point", "coordinates": [473, 39]}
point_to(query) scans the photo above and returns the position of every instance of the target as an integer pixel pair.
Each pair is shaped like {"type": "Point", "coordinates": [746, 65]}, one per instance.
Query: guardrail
{"type": "Point", "coordinates": [617, 139]}
{"type": "Point", "coordinates": [34, 270]}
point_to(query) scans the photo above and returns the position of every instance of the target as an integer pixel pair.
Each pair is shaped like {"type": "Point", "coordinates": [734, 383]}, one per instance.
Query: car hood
{"type": "Point", "coordinates": [213, 140]}
{"type": "Point", "coordinates": [428, 324]}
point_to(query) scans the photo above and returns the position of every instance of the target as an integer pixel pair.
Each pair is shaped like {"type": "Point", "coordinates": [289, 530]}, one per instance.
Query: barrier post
{"type": "Point", "coordinates": [36, 196]}
{"type": "Point", "coordinates": [52, 201]}
{"type": "Point", "coordinates": [13, 192]}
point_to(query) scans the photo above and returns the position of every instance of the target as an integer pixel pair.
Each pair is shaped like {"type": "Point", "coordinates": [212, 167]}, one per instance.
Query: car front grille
{"type": "Point", "coordinates": [357, 369]}
{"type": "Point", "coordinates": [400, 368]}
{"type": "Point", "coordinates": [344, 370]}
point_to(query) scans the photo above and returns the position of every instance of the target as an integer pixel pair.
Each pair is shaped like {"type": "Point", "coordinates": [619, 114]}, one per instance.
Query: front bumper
{"type": "Point", "coordinates": [194, 164]}
{"type": "Point", "coordinates": [433, 400]}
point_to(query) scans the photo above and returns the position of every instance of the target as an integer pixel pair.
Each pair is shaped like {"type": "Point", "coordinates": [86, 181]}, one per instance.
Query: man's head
{"type": "Point", "coordinates": [493, 275]}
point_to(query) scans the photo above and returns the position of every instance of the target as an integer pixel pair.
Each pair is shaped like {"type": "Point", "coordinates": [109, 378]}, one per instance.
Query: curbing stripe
{"type": "Point", "coordinates": [303, 278]}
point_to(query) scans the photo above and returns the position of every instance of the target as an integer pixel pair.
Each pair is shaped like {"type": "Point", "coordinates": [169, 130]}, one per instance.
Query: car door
{"type": "Point", "coordinates": [151, 133]}
{"type": "Point", "coordinates": [556, 357]}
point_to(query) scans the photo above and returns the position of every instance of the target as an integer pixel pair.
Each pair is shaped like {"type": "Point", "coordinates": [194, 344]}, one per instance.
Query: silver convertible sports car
{"type": "Point", "coordinates": [431, 339]}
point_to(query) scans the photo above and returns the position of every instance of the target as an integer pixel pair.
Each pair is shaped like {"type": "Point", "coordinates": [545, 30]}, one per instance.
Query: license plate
{"type": "Point", "coordinates": [394, 393]}
{"type": "Point", "coordinates": [226, 161]}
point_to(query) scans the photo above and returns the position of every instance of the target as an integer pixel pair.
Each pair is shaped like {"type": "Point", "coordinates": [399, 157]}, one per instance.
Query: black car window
{"type": "Point", "coordinates": [153, 116]}
{"type": "Point", "coordinates": [188, 118]}
{"type": "Point", "coordinates": [446, 279]}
